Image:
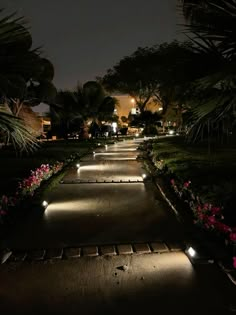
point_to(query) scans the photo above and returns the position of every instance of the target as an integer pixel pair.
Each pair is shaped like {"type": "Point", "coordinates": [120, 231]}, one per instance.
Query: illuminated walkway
{"type": "Point", "coordinates": [107, 248]}
{"type": "Point", "coordinates": [103, 201]}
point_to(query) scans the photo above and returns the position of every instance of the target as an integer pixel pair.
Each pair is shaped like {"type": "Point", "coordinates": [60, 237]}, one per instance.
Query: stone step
{"type": "Point", "coordinates": [125, 249]}
{"type": "Point", "coordinates": [54, 253]}
{"type": "Point", "coordinates": [142, 249]}
{"type": "Point", "coordinates": [108, 250]}
{"type": "Point", "coordinates": [37, 254]}
{"type": "Point", "coordinates": [159, 247]}
{"type": "Point", "coordinates": [72, 252]}
{"type": "Point", "coordinates": [91, 251]}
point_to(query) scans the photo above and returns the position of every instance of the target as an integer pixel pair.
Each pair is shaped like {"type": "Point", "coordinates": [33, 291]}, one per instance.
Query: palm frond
{"type": "Point", "coordinates": [213, 111]}
{"type": "Point", "coordinates": [214, 20]}
{"type": "Point", "coordinates": [14, 129]}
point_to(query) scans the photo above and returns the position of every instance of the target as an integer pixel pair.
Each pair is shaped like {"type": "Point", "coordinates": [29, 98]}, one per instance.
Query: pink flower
{"type": "Point", "coordinates": [215, 210]}
{"type": "Point", "coordinates": [201, 216]}
{"type": "Point", "coordinates": [172, 181]}
{"type": "Point", "coordinates": [211, 219]}
{"type": "Point", "coordinates": [232, 236]}
{"type": "Point", "coordinates": [223, 227]}
{"type": "Point", "coordinates": [186, 184]}
{"type": "Point", "coordinates": [206, 206]}
{"type": "Point", "coordinates": [234, 262]}
{"type": "Point", "coordinates": [199, 208]}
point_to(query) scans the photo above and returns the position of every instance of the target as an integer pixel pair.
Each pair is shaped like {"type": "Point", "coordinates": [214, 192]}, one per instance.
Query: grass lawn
{"type": "Point", "coordinates": [212, 172]}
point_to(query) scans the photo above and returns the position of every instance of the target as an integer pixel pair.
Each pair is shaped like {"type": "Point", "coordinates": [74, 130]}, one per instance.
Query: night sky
{"type": "Point", "coordinates": [83, 38]}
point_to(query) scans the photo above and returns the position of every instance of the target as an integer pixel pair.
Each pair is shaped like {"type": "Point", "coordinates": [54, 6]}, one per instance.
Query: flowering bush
{"type": "Point", "coordinates": [57, 167]}
{"type": "Point", "coordinates": [28, 186]}
{"type": "Point", "coordinates": [206, 215]}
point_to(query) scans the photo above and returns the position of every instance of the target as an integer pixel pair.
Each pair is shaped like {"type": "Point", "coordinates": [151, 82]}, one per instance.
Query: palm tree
{"type": "Point", "coordinates": [211, 27]}
{"type": "Point", "coordinates": [25, 77]}
{"type": "Point", "coordinates": [73, 109]}
{"type": "Point", "coordinates": [13, 34]}
{"type": "Point", "coordinates": [66, 113]}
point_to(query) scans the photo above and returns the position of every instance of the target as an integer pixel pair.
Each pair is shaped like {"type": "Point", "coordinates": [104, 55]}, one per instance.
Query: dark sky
{"type": "Point", "coordinates": [83, 38]}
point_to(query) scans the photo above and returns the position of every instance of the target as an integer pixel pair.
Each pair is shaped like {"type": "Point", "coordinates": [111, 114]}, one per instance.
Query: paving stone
{"type": "Point", "coordinates": [108, 250]}
{"type": "Point", "coordinates": [37, 254]}
{"type": "Point", "coordinates": [142, 248]}
{"type": "Point", "coordinates": [159, 247]}
{"type": "Point", "coordinates": [124, 249]}
{"type": "Point", "coordinates": [18, 256]}
{"type": "Point", "coordinates": [72, 252]}
{"type": "Point", "coordinates": [175, 246]}
{"type": "Point", "coordinates": [90, 251]}
{"type": "Point", "coordinates": [54, 253]}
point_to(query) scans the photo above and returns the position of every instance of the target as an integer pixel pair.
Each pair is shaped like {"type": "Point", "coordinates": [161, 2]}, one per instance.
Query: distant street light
{"type": "Point", "coordinates": [114, 126]}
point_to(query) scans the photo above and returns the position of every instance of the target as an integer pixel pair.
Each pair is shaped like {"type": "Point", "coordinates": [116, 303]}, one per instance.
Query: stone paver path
{"type": "Point", "coordinates": [104, 201]}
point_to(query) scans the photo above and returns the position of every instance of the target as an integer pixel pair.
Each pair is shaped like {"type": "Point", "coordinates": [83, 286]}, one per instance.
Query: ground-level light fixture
{"type": "Point", "coordinates": [144, 176]}
{"type": "Point", "coordinates": [137, 134]}
{"type": "Point", "coordinates": [94, 152]}
{"type": "Point", "coordinates": [78, 165]}
{"type": "Point", "coordinates": [199, 255]}
{"type": "Point", "coordinates": [45, 204]}
{"type": "Point", "coordinates": [191, 252]}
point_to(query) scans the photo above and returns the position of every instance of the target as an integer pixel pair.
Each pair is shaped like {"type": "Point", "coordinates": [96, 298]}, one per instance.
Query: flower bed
{"type": "Point", "coordinates": [28, 186]}
{"type": "Point", "coordinates": [206, 215]}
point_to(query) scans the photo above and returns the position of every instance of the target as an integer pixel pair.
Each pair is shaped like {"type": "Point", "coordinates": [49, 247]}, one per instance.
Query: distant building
{"type": "Point", "coordinates": [127, 105]}
{"type": "Point", "coordinates": [42, 111]}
